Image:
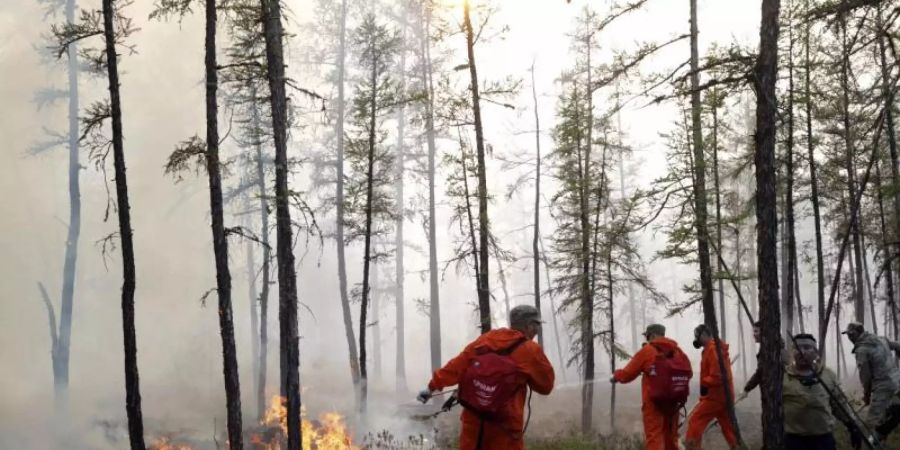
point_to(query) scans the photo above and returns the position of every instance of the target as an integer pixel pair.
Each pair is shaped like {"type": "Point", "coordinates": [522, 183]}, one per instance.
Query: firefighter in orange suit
{"type": "Point", "coordinates": [712, 392]}
{"type": "Point", "coordinates": [660, 423]}
{"type": "Point", "coordinates": [536, 372]}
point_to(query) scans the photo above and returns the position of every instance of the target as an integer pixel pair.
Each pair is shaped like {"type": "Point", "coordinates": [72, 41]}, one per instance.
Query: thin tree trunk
{"type": "Point", "coordinates": [859, 300]}
{"type": "Point", "coordinates": [715, 152]}
{"type": "Point", "coordinates": [814, 186]}
{"type": "Point", "coordinates": [287, 276]}
{"type": "Point", "coordinates": [339, 203]}
{"type": "Point", "coordinates": [536, 260]}
{"type": "Point", "coordinates": [367, 247]}
{"type": "Point", "coordinates": [885, 248]}
{"type": "Point", "coordinates": [559, 351]}
{"type": "Point", "coordinates": [60, 357]}
{"type": "Point", "coordinates": [469, 216]}
{"type": "Point", "coordinates": [700, 219]}
{"type": "Point", "coordinates": [132, 379]}
{"type": "Point", "coordinates": [434, 310]}
{"type": "Point", "coordinates": [220, 240]}
{"type": "Point", "coordinates": [888, 95]}
{"type": "Point", "coordinates": [266, 263]}
{"type": "Point", "coordinates": [789, 191]}
{"type": "Point", "coordinates": [870, 296]}
{"type": "Point", "coordinates": [612, 338]}
{"type": "Point", "coordinates": [484, 292]}
{"type": "Point", "coordinates": [399, 295]}
{"type": "Point", "coordinates": [586, 311]}
{"type": "Point", "coordinates": [376, 325]}
{"type": "Point", "coordinates": [766, 72]}
{"type": "Point", "coordinates": [503, 285]}
{"type": "Point", "coordinates": [738, 256]}
{"type": "Point", "coordinates": [253, 296]}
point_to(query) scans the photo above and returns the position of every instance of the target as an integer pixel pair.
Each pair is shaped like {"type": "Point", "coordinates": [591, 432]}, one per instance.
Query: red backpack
{"type": "Point", "coordinates": [670, 378]}
{"type": "Point", "coordinates": [490, 381]}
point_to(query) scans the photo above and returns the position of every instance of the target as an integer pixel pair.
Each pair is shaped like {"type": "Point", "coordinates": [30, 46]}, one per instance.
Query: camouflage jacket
{"type": "Point", "coordinates": [875, 363]}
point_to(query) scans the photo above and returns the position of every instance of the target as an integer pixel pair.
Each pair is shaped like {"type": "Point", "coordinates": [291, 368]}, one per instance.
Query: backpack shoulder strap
{"type": "Point", "coordinates": [513, 347]}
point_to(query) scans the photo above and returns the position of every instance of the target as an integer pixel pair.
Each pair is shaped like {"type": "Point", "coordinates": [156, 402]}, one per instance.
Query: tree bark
{"type": "Point", "coordinates": [253, 296]}
{"type": "Point", "coordinates": [434, 308]}
{"type": "Point", "coordinates": [766, 72]}
{"type": "Point", "coordinates": [716, 186]}
{"type": "Point", "coordinates": [132, 378]}
{"type": "Point", "coordinates": [339, 202]}
{"type": "Point", "coordinates": [484, 291]}
{"type": "Point", "coordinates": [536, 259]}
{"type": "Point", "coordinates": [888, 95]}
{"type": "Point", "coordinates": [367, 247]}
{"type": "Point", "coordinates": [287, 276]}
{"type": "Point", "coordinates": [814, 194]}
{"type": "Point", "coordinates": [789, 191]}
{"type": "Point", "coordinates": [701, 218]}
{"type": "Point", "coordinates": [859, 293]}
{"type": "Point", "coordinates": [220, 242]}
{"type": "Point", "coordinates": [266, 264]}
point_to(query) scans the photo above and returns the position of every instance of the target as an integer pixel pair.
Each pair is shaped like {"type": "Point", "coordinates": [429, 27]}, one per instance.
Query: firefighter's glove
{"type": "Point", "coordinates": [703, 390]}
{"type": "Point", "coordinates": [424, 395]}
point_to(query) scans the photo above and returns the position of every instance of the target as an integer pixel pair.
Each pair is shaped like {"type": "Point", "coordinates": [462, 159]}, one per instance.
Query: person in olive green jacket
{"type": "Point", "coordinates": [878, 373]}
{"type": "Point", "coordinates": [809, 412]}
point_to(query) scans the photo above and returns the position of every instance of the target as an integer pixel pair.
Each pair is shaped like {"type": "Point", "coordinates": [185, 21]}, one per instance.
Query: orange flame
{"type": "Point", "coordinates": [165, 443]}
{"type": "Point", "coordinates": [329, 433]}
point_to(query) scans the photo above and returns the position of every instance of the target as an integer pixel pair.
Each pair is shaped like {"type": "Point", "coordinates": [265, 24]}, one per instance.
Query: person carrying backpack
{"type": "Point", "coordinates": [712, 392]}
{"type": "Point", "coordinates": [493, 375]}
{"type": "Point", "coordinates": [665, 384]}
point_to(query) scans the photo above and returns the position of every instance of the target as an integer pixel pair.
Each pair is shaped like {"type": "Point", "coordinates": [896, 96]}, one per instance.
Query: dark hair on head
{"type": "Point", "coordinates": [805, 336]}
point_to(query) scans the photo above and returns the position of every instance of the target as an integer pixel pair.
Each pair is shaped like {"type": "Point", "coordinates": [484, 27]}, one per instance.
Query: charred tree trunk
{"type": "Point", "coordinates": [701, 218]}
{"type": "Point", "coordinates": [266, 264]}
{"type": "Point", "coordinates": [766, 72]}
{"type": "Point", "coordinates": [434, 306]}
{"type": "Point", "coordinates": [814, 187]}
{"type": "Point", "coordinates": [287, 276]}
{"type": "Point", "coordinates": [367, 247]}
{"type": "Point", "coordinates": [536, 258]}
{"type": "Point", "coordinates": [484, 291]}
{"type": "Point", "coordinates": [220, 240]}
{"type": "Point", "coordinates": [339, 202]}
{"type": "Point", "coordinates": [132, 379]}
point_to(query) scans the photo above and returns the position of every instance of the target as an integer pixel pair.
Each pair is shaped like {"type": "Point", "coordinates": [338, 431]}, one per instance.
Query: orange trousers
{"type": "Point", "coordinates": [660, 428]}
{"type": "Point", "coordinates": [701, 416]}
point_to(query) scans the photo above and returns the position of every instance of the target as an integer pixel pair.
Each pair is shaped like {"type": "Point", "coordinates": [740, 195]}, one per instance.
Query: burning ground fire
{"type": "Point", "coordinates": [327, 433]}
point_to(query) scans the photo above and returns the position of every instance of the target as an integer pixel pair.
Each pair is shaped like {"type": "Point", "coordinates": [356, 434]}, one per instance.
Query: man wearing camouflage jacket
{"type": "Point", "coordinates": [879, 375]}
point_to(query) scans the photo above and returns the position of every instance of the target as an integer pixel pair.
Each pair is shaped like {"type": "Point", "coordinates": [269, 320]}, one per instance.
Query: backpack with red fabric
{"type": "Point", "coordinates": [490, 382]}
{"type": "Point", "coordinates": [669, 379]}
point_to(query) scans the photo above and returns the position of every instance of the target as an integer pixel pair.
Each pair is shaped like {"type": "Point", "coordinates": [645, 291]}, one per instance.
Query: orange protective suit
{"type": "Point", "coordinates": [660, 427]}
{"type": "Point", "coordinates": [536, 372]}
{"type": "Point", "coordinates": [713, 404]}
